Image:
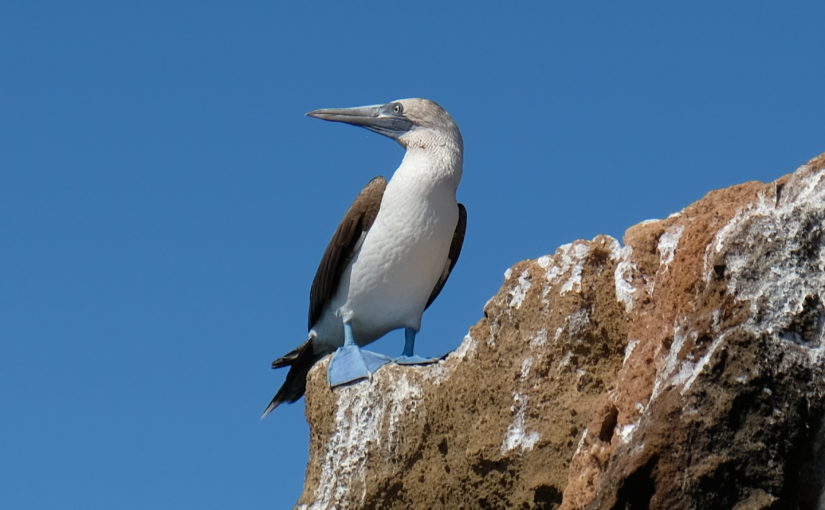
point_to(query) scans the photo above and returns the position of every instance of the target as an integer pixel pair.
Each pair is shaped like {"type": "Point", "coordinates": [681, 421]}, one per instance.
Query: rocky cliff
{"type": "Point", "coordinates": [684, 369]}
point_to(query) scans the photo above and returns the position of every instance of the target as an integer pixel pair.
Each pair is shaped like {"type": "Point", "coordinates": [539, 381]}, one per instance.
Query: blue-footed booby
{"type": "Point", "coordinates": [393, 251]}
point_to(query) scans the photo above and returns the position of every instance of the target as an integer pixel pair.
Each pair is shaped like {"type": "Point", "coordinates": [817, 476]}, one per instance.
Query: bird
{"type": "Point", "coordinates": [392, 253]}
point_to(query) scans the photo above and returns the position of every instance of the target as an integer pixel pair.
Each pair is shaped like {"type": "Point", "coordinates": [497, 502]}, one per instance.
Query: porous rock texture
{"type": "Point", "coordinates": [683, 370]}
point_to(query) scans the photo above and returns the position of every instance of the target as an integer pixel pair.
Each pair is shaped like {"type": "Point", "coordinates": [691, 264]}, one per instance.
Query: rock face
{"type": "Point", "coordinates": [683, 370]}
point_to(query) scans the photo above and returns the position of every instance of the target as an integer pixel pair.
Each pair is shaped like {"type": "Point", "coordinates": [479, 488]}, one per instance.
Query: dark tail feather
{"type": "Point", "coordinates": [299, 362]}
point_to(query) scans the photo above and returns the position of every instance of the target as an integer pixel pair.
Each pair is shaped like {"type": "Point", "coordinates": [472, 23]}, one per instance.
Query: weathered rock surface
{"type": "Point", "coordinates": [683, 370]}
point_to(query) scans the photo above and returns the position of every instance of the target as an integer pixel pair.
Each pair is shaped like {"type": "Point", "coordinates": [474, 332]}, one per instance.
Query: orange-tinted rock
{"type": "Point", "coordinates": [685, 369]}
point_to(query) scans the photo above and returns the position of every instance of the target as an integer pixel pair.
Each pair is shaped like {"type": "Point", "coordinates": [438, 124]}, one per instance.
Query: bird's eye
{"type": "Point", "coordinates": [397, 108]}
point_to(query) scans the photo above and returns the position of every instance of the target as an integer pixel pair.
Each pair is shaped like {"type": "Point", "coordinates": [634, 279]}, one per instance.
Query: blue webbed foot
{"type": "Point", "coordinates": [351, 363]}
{"type": "Point", "coordinates": [415, 359]}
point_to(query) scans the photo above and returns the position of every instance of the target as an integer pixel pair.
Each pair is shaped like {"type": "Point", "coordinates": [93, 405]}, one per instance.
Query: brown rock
{"type": "Point", "coordinates": [685, 370]}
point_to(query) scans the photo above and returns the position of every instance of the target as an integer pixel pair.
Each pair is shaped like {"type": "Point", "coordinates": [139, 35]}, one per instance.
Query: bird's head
{"type": "Point", "coordinates": [408, 121]}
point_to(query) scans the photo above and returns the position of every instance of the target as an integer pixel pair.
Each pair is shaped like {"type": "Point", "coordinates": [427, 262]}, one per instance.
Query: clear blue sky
{"type": "Point", "coordinates": [164, 202]}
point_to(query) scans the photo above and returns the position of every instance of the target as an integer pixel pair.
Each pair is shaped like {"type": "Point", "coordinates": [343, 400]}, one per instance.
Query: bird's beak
{"type": "Point", "coordinates": [379, 118]}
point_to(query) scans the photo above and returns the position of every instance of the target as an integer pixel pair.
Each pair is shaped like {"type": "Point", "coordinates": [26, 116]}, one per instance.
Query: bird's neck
{"type": "Point", "coordinates": [432, 162]}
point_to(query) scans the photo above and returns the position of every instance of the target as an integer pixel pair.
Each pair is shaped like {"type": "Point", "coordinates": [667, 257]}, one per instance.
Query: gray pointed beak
{"type": "Point", "coordinates": [378, 118]}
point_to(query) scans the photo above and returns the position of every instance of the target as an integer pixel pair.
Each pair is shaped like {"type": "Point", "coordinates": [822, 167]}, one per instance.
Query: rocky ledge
{"type": "Point", "coordinates": [681, 370]}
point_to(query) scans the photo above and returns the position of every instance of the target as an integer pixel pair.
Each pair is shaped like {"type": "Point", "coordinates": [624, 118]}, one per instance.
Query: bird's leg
{"type": "Point", "coordinates": [407, 357]}
{"type": "Point", "coordinates": [351, 363]}
{"type": "Point", "coordinates": [349, 339]}
{"type": "Point", "coordinates": [409, 342]}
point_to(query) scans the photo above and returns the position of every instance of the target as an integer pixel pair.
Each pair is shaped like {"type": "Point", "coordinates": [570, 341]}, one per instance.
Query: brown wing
{"type": "Point", "coordinates": [455, 251]}
{"type": "Point", "coordinates": [339, 252]}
